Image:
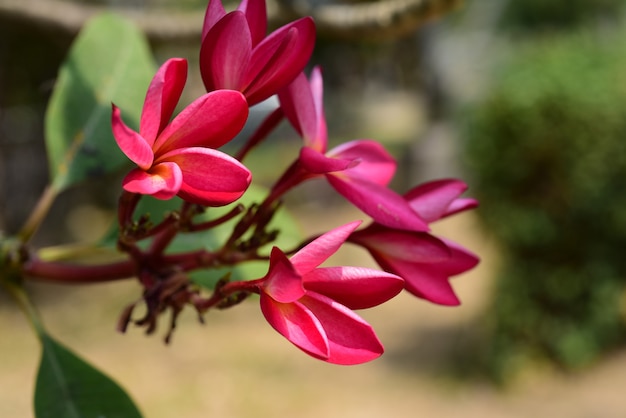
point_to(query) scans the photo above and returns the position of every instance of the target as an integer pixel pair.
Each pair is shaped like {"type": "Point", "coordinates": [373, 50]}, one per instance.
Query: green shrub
{"type": "Point", "coordinates": [547, 147]}
{"type": "Point", "coordinates": [532, 15]}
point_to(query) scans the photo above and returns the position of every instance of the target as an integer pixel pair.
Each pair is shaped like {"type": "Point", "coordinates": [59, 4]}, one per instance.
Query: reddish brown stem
{"type": "Point", "coordinates": [38, 269]}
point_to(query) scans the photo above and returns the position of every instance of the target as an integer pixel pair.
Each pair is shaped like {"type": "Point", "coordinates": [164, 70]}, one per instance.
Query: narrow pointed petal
{"type": "Point", "coordinates": [278, 59]}
{"type": "Point", "coordinates": [351, 340]}
{"type": "Point", "coordinates": [317, 163]}
{"type": "Point", "coordinates": [428, 282]}
{"type": "Point", "coordinates": [317, 88]}
{"type": "Point", "coordinates": [416, 247]}
{"type": "Point", "coordinates": [256, 14]}
{"type": "Point", "coordinates": [210, 177]}
{"type": "Point", "coordinates": [297, 324]}
{"type": "Point", "coordinates": [282, 282]}
{"type": "Point", "coordinates": [163, 181]}
{"type": "Point", "coordinates": [318, 250]}
{"type": "Point", "coordinates": [162, 97]}
{"type": "Point", "coordinates": [214, 12]}
{"type": "Point", "coordinates": [461, 260]}
{"type": "Point", "coordinates": [302, 103]}
{"type": "Point", "coordinates": [297, 102]}
{"type": "Point", "coordinates": [432, 200]}
{"type": "Point", "coordinates": [225, 53]}
{"type": "Point", "coordinates": [376, 165]}
{"type": "Point", "coordinates": [382, 204]}
{"type": "Point", "coordinates": [130, 142]}
{"type": "Point", "coordinates": [210, 121]}
{"type": "Point", "coordinates": [460, 205]}
{"type": "Point", "coordinates": [354, 287]}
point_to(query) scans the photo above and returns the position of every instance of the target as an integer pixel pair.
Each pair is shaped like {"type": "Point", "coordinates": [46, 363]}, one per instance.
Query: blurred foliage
{"type": "Point", "coordinates": [530, 15]}
{"type": "Point", "coordinates": [547, 147]}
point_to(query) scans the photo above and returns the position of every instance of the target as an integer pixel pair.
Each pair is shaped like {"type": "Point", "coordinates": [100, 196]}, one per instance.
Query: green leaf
{"type": "Point", "coordinates": [110, 61]}
{"type": "Point", "coordinates": [69, 387]}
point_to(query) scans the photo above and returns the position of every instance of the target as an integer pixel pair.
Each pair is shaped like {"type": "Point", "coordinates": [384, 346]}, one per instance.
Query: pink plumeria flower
{"type": "Point", "coordinates": [312, 306]}
{"type": "Point", "coordinates": [424, 261]}
{"type": "Point", "coordinates": [178, 157]}
{"type": "Point", "coordinates": [359, 170]}
{"type": "Point", "coordinates": [236, 53]}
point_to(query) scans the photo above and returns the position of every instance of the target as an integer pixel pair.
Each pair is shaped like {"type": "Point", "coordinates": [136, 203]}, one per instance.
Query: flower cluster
{"type": "Point", "coordinates": [311, 306]}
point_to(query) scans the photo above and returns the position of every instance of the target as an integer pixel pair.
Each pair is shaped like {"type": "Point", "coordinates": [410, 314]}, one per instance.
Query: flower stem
{"type": "Point", "coordinates": [38, 214]}
{"type": "Point", "coordinates": [38, 269]}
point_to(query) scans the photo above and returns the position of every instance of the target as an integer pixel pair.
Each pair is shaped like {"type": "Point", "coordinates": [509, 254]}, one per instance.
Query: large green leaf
{"type": "Point", "coordinates": [69, 387]}
{"type": "Point", "coordinates": [110, 61]}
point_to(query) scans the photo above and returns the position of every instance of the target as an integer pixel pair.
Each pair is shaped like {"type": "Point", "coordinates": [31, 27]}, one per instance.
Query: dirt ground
{"type": "Point", "coordinates": [236, 366]}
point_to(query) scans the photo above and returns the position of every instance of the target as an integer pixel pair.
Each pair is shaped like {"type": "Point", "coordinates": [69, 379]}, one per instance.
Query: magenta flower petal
{"type": "Point", "coordinates": [351, 340]}
{"type": "Point", "coordinates": [354, 287]}
{"type": "Point", "coordinates": [318, 250]}
{"type": "Point", "coordinates": [428, 281]}
{"type": "Point", "coordinates": [461, 261]}
{"type": "Point", "coordinates": [296, 100]}
{"type": "Point", "coordinates": [415, 247]}
{"type": "Point", "coordinates": [297, 324]}
{"type": "Point", "coordinates": [256, 15]}
{"type": "Point", "coordinates": [163, 181]}
{"type": "Point", "coordinates": [282, 282]}
{"type": "Point", "coordinates": [162, 96]}
{"type": "Point", "coordinates": [460, 205]}
{"type": "Point", "coordinates": [210, 177]}
{"type": "Point", "coordinates": [376, 165]}
{"type": "Point", "coordinates": [225, 53]}
{"type": "Point", "coordinates": [383, 205]}
{"type": "Point", "coordinates": [210, 121]}
{"type": "Point", "coordinates": [317, 163]}
{"type": "Point", "coordinates": [130, 142]}
{"type": "Point", "coordinates": [278, 59]}
{"type": "Point", "coordinates": [436, 199]}
{"type": "Point", "coordinates": [214, 12]}
{"type": "Point", "coordinates": [302, 104]}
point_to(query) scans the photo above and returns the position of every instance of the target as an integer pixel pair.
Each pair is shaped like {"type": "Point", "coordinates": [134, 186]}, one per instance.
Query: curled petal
{"type": "Point", "coordinates": [302, 103]}
{"type": "Point", "coordinates": [225, 53]}
{"type": "Point", "coordinates": [162, 181]}
{"type": "Point", "coordinates": [437, 199]}
{"type": "Point", "coordinates": [130, 142]}
{"type": "Point", "coordinates": [461, 261]}
{"type": "Point", "coordinates": [162, 97]}
{"type": "Point", "coordinates": [382, 204]}
{"type": "Point", "coordinates": [278, 59]}
{"type": "Point", "coordinates": [318, 250]}
{"type": "Point", "coordinates": [210, 121]}
{"type": "Point", "coordinates": [256, 15]}
{"type": "Point", "coordinates": [351, 340]}
{"type": "Point", "coordinates": [282, 282]}
{"type": "Point", "coordinates": [460, 205]}
{"type": "Point", "coordinates": [427, 281]}
{"type": "Point", "coordinates": [376, 165]}
{"type": "Point", "coordinates": [210, 177]}
{"type": "Point", "coordinates": [431, 281]}
{"type": "Point", "coordinates": [214, 12]}
{"type": "Point", "coordinates": [415, 247]}
{"type": "Point", "coordinates": [317, 88]}
{"type": "Point", "coordinates": [317, 163]}
{"type": "Point", "coordinates": [354, 287]}
{"type": "Point", "coordinates": [297, 324]}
